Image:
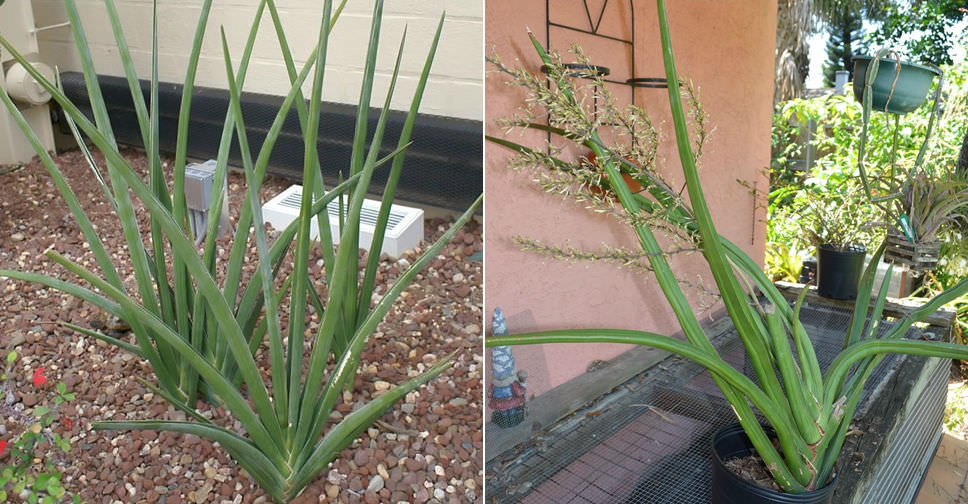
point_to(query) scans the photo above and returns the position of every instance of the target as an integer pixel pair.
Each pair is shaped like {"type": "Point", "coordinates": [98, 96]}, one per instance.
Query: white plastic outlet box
{"type": "Point", "coordinates": [404, 226]}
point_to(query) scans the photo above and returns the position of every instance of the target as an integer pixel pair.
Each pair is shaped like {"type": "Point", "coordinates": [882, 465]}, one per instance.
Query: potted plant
{"type": "Point", "coordinates": [899, 86]}
{"type": "Point", "coordinates": [927, 204]}
{"type": "Point", "coordinates": [919, 200]}
{"type": "Point", "coordinates": [831, 223]}
{"type": "Point", "coordinates": [807, 412]}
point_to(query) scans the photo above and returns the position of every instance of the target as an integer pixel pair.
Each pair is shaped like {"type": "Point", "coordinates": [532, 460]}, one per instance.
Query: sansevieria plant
{"type": "Point", "coordinates": [809, 410]}
{"type": "Point", "coordinates": [201, 330]}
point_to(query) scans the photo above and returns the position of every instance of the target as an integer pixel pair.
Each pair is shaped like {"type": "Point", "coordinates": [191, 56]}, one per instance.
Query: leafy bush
{"type": "Point", "coordinates": [32, 453]}
{"type": "Point", "coordinates": [834, 123]}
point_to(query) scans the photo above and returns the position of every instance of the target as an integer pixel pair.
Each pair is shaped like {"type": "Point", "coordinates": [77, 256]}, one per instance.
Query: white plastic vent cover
{"type": "Point", "coordinates": [404, 226]}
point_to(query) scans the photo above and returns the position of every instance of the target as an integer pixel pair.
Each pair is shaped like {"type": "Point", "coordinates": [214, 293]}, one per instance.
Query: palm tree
{"type": "Point", "coordinates": [793, 26]}
{"type": "Point", "coordinates": [796, 21]}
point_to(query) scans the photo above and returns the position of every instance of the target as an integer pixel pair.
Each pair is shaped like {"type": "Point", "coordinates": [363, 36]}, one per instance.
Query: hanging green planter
{"type": "Point", "coordinates": [913, 82]}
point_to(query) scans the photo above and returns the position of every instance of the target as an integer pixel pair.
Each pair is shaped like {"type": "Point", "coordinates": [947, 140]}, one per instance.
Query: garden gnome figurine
{"type": "Point", "coordinates": [507, 387]}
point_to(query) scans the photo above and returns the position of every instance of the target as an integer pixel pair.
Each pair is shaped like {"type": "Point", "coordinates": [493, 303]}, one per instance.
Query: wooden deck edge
{"type": "Point", "coordinates": [894, 307]}
{"type": "Point", "coordinates": [559, 402]}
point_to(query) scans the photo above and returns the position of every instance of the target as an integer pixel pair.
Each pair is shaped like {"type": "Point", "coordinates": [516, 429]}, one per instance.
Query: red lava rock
{"type": "Point", "coordinates": [428, 319]}
{"type": "Point", "coordinates": [29, 400]}
{"type": "Point", "coordinates": [413, 465]}
{"type": "Point", "coordinates": [356, 484]}
{"type": "Point", "coordinates": [443, 424]}
{"type": "Point", "coordinates": [421, 496]}
{"type": "Point", "coordinates": [361, 458]}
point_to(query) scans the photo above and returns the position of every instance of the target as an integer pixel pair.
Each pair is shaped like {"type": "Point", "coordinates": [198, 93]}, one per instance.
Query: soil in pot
{"type": "Point", "coordinates": [731, 442]}
{"type": "Point", "coordinates": [839, 270]}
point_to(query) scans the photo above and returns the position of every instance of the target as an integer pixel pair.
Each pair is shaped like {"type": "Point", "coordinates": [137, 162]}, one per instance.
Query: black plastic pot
{"type": "Point", "coordinates": [808, 272]}
{"type": "Point", "coordinates": [729, 488]}
{"type": "Point", "coordinates": [839, 271]}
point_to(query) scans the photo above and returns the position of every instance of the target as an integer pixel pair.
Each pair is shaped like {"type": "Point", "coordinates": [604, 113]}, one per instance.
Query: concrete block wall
{"type": "Point", "coordinates": [455, 88]}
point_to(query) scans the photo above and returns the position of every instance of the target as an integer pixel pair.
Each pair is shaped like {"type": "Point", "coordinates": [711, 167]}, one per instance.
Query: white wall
{"type": "Point", "coordinates": [455, 88]}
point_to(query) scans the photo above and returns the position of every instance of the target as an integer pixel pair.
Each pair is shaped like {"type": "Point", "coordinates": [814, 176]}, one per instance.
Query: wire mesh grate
{"type": "Point", "coordinates": [648, 441]}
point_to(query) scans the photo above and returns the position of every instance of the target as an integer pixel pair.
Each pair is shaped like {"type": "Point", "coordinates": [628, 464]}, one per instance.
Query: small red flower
{"type": "Point", "coordinates": [68, 423]}
{"type": "Point", "coordinates": [3, 446]}
{"type": "Point", "coordinates": [39, 378]}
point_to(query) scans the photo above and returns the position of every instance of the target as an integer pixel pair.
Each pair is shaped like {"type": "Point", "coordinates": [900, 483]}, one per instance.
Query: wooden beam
{"type": "Point", "coordinates": [894, 307]}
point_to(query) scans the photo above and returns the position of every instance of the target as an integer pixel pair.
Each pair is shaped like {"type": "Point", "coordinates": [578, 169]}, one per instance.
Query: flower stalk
{"type": "Point", "coordinates": [809, 410]}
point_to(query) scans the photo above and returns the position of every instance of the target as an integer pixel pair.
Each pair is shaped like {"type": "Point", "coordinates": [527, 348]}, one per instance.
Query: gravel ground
{"type": "Point", "coordinates": [427, 448]}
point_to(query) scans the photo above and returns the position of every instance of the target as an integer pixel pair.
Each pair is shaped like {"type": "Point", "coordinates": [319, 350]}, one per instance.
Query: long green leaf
{"type": "Point", "coordinates": [347, 430]}
{"type": "Point", "coordinates": [60, 182]}
{"type": "Point", "coordinates": [376, 245]}
{"type": "Point", "coordinates": [182, 247]}
{"type": "Point", "coordinates": [322, 220]}
{"type": "Point", "coordinates": [280, 387]}
{"type": "Point", "coordinates": [352, 308]}
{"type": "Point", "coordinates": [201, 323]}
{"type": "Point", "coordinates": [125, 210]}
{"type": "Point", "coordinates": [250, 457]}
{"type": "Point", "coordinates": [314, 418]}
{"type": "Point", "coordinates": [124, 345]}
{"type": "Point", "coordinates": [794, 449]}
{"type": "Point", "coordinates": [297, 310]}
{"type": "Point", "coordinates": [232, 398]}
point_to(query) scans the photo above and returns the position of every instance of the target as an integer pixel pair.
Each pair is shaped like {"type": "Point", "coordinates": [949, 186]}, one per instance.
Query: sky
{"type": "Point", "coordinates": [818, 53]}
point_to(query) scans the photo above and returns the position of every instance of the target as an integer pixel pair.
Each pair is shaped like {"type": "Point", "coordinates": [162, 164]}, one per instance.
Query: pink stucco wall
{"type": "Point", "coordinates": [726, 47]}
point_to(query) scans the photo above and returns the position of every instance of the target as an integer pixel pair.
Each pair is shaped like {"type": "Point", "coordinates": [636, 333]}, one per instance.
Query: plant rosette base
{"type": "Point", "coordinates": [917, 256]}
{"type": "Point", "coordinates": [729, 488]}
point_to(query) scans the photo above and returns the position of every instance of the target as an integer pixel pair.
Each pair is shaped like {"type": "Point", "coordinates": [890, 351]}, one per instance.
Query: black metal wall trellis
{"type": "Point", "coordinates": [593, 29]}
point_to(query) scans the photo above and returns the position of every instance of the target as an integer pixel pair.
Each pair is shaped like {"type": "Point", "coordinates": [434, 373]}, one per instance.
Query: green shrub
{"type": "Point", "coordinates": [836, 122]}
